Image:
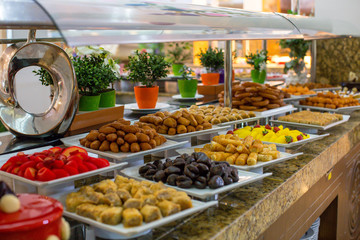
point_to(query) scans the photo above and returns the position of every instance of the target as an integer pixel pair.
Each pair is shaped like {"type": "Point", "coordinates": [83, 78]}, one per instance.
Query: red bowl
{"type": "Point", "coordinates": [39, 216]}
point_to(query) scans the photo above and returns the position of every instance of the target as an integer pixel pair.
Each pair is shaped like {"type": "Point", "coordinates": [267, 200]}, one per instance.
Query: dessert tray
{"type": "Point", "coordinates": [214, 129]}
{"type": "Point", "coordinates": [318, 127]}
{"type": "Point", "coordinates": [244, 179]}
{"type": "Point", "coordinates": [313, 137]}
{"type": "Point", "coordinates": [144, 228]}
{"type": "Point", "coordinates": [283, 157]}
{"type": "Point", "coordinates": [276, 111]}
{"type": "Point", "coordinates": [337, 110]}
{"type": "Point", "coordinates": [74, 141]}
{"type": "Point", "coordinates": [4, 158]}
{"type": "Point", "coordinates": [245, 120]}
{"type": "Point", "coordinates": [297, 97]}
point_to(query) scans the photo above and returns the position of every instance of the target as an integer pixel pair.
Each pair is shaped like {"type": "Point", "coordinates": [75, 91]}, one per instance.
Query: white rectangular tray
{"type": "Point", "coordinates": [214, 129]}
{"type": "Point", "coordinates": [337, 110]}
{"type": "Point", "coordinates": [239, 121]}
{"type": "Point", "coordinates": [74, 141]}
{"type": "Point", "coordinates": [313, 137]}
{"type": "Point", "coordinates": [326, 89]}
{"type": "Point", "coordinates": [303, 125]}
{"type": "Point", "coordinates": [297, 97]}
{"type": "Point", "coordinates": [244, 178]}
{"type": "Point", "coordinates": [4, 158]}
{"type": "Point", "coordinates": [128, 232]}
{"type": "Point", "coordinates": [283, 157]}
{"type": "Point", "coordinates": [276, 111]}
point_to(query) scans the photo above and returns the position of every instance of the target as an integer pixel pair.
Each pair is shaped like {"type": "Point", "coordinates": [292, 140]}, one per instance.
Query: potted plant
{"type": "Point", "coordinates": [298, 49]}
{"type": "Point", "coordinates": [258, 61]}
{"type": "Point", "coordinates": [187, 85]}
{"type": "Point", "coordinates": [107, 95]}
{"type": "Point", "coordinates": [146, 68]}
{"type": "Point", "coordinates": [46, 80]}
{"type": "Point", "coordinates": [213, 61]}
{"type": "Point", "coordinates": [178, 54]}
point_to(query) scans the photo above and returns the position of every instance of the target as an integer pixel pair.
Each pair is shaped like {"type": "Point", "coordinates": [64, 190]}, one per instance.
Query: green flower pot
{"type": "Point", "coordinates": [257, 76]}
{"type": "Point", "coordinates": [107, 98]}
{"type": "Point", "coordinates": [176, 67]}
{"type": "Point", "coordinates": [187, 88]}
{"type": "Point", "coordinates": [89, 103]}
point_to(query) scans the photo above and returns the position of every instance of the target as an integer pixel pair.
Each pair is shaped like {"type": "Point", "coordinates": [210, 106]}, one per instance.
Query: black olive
{"type": "Point", "coordinates": [203, 169]}
{"type": "Point", "coordinates": [183, 182]}
{"type": "Point", "coordinates": [225, 163]}
{"type": "Point", "coordinates": [216, 182]}
{"type": "Point", "coordinates": [200, 182]}
{"type": "Point", "coordinates": [180, 163]}
{"type": "Point", "coordinates": [159, 176]}
{"type": "Point", "coordinates": [171, 179]}
{"type": "Point", "coordinates": [143, 170]}
{"type": "Point", "coordinates": [168, 163]}
{"type": "Point", "coordinates": [227, 180]}
{"type": "Point", "coordinates": [189, 159]}
{"type": "Point", "coordinates": [207, 162]}
{"type": "Point", "coordinates": [172, 169]}
{"type": "Point", "coordinates": [153, 166]}
{"type": "Point", "coordinates": [161, 167]}
{"type": "Point", "coordinates": [184, 155]}
{"type": "Point", "coordinates": [217, 170]}
{"type": "Point", "coordinates": [234, 174]}
{"type": "Point", "coordinates": [149, 174]}
{"type": "Point", "coordinates": [157, 163]}
{"type": "Point", "coordinates": [200, 156]}
{"type": "Point", "coordinates": [191, 171]}
{"type": "Point", "coordinates": [208, 176]}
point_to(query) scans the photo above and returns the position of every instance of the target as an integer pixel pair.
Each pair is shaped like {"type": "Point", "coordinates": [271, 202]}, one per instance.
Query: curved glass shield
{"type": "Point", "coordinates": [84, 22]}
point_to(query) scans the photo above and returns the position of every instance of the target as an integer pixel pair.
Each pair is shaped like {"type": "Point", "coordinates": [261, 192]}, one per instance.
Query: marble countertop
{"type": "Point", "coordinates": [246, 212]}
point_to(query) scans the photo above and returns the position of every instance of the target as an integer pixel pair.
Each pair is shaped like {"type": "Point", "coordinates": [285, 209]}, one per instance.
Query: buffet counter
{"type": "Point", "coordinates": [288, 202]}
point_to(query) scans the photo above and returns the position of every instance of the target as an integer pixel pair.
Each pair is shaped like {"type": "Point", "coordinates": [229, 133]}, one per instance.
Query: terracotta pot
{"type": "Point", "coordinates": [210, 78]}
{"type": "Point", "coordinates": [146, 97]}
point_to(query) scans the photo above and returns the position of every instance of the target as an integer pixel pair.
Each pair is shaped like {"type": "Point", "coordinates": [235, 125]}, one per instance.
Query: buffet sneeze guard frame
{"type": "Point", "coordinates": [54, 121]}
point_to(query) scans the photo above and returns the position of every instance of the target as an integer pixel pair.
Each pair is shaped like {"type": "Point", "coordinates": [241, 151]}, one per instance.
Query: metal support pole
{"type": "Point", "coordinates": [228, 74]}
{"type": "Point", "coordinates": [31, 36]}
{"type": "Point", "coordinates": [313, 60]}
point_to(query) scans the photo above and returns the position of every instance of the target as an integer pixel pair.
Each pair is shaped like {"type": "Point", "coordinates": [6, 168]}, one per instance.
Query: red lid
{"type": "Point", "coordinates": [35, 211]}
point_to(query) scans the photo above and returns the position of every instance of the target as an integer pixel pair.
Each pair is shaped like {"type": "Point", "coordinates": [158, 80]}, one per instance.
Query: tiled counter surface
{"type": "Point", "coordinates": [246, 212]}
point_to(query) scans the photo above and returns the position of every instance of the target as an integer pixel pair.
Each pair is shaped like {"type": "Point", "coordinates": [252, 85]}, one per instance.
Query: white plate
{"type": "Point", "coordinates": [244, 178]}
{"type": "Point", "coordinates": [313, 137]}
{"type": "Point", "coordinates": [326, 89]}
{"type": "Point", "coordinates": [245, 120]}
{"type": "Point", "coordinates": [276, 111]}
{"type": "Point", "coordinates": [303, 125]}
{"type": "Point", "coordinates": [4, 158]}
{"type": "Point", "coordinates": [337, 110]}
{"type": "Point", "coordinates": [283, 157]}
{"type": "Point", "coordinates": [74, 141]}
{"type": "Point", "coordinates": [298, 97]}
{"type": "Point", "coordinates": [128, 232]}
{"type": "Point", "coordinates": [214, 129]}
{"type": "Point", "coordinates": [134, 107]}
{"type": "Point", "coordinates": [178, 97]}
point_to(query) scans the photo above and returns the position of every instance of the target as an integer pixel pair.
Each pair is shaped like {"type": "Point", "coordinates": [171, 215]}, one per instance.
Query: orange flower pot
{"type": "Point", "coordinates": [146, 97]}
{"type": "Point", "coordinates": [210, 78]}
